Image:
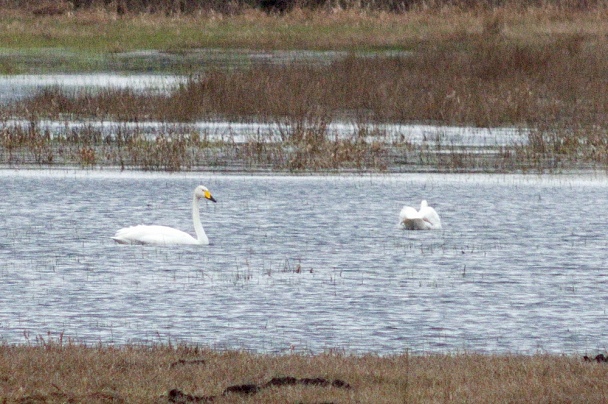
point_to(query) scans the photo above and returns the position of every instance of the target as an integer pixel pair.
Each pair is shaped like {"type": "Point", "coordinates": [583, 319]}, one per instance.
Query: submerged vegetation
{"type": "Point", "coordinates": [45, 372]}
{"type": "Point", "coordinates": [534, 68]}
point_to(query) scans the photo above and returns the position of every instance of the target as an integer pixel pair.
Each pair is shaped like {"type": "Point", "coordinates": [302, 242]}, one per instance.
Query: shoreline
{"type": "Point", "coordinates": [167, 373]}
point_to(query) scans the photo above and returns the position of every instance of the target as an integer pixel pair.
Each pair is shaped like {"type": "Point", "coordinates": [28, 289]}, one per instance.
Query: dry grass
{"type": "Point", "coordinates": [99, 30]}
{"type": "Point", "coordinates": [516, 65]}
{"type": "Point", "coordinates": [549, 89]}
{"type": "Point", "coordinates": [56, 372]}
{"type": "Point", "coordinates": [304, 148]}
{"type": "Point", "coordinates": [485, 81]}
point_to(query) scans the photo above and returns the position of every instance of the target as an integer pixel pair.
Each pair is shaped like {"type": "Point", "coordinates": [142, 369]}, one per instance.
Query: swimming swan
{"type": "Point", "coordinates": [424, 219]}
{"type": "Point", "coordinates": [163, 235]}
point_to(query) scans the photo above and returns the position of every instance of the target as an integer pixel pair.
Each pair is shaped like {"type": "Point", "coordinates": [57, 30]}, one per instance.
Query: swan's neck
{"type": "Point", "coordinates": [201, 236]}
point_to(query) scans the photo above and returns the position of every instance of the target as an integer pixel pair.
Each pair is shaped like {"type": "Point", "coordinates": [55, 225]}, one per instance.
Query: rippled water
{"type": "Point", "coordinates": [308, 263]}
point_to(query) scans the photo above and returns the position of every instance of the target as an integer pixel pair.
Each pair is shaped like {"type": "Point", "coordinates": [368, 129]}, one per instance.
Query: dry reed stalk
{"type": "Point", "coordinates": [490, 82]}
{"type": "Point", "coordinates": [517, 66]}
{"type": "Point", "coordinates": [304, 148]}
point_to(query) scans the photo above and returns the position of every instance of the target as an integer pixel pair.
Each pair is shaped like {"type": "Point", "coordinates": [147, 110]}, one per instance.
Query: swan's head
{"type": "Point", "coordinates": [201, 192]}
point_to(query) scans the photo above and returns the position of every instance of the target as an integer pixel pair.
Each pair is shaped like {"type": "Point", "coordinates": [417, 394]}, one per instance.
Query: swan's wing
{"type": "Point", "coordinates": [411, 219]}
{"type": "Point", "coordinates": [409, 213]}
{"type": "Point", "coordinates": [161, 235]}
{"type": "Point", "coordinates": [431, 217]}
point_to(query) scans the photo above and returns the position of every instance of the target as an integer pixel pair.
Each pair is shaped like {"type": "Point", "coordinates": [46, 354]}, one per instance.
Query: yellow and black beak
{"type": "Point", "coordinates": [209, 196]}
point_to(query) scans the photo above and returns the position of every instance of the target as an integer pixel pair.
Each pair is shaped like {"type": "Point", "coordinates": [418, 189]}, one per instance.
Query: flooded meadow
{"type": "Point", "coordinates": [308, 263]}
{"type": "Point", "coordinates": [312, 128]}
{"type": "Point", "coordinates": [306, 254]}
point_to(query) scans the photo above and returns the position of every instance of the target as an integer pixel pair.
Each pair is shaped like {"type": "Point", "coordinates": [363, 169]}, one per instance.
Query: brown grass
{"type": "Point", "coordinates": [95, 30]}
{"type": "Point", "coordinates": [487, 82]}
{"type": "Point", "coordinates": [59, 372]}
{"type": "Point", "coordinates": [540, 68]}
{"type": "Point", "coordinates": [304, 148]}
{"type": "Point", "coordinates": [548, 88]}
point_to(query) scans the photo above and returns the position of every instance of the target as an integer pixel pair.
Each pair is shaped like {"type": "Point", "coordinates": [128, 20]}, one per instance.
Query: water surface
{"type": "Point", "coordinates": [308, 263]}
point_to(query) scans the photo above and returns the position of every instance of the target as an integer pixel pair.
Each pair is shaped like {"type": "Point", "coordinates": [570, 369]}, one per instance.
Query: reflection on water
{"type": "Point", "coordinates": [309, 263]}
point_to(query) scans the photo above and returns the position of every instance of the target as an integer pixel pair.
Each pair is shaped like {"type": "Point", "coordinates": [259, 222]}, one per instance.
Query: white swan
{"type": "Point", "coordinates": [424, 219]}
{"type": "Point", "coordinates": [163, 235]}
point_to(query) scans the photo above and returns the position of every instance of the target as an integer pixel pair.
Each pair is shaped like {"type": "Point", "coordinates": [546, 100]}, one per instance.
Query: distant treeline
{"type": "Point", "coordinates": [283, 6]}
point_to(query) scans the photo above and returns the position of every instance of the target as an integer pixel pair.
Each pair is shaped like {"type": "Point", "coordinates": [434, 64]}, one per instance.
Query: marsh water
{"type": "Point", "coordinates": [308, 263]}
{"type": "Point", "coordinates": [301, 263]}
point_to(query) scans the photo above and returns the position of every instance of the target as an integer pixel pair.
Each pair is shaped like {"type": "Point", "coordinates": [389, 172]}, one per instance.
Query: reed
{"type": "Point", "coordinates": [310, 150]}
{"type": "Point", "coordinates": [303, 147]}
{"type": "Point", "coordinates": [547, 89]}
{"type": "Point", "coordinates": [59, 371]}
{"type": "Point", "coordinates": [490, 83]}
{"type": "Point", "coordinates": [524, 66]}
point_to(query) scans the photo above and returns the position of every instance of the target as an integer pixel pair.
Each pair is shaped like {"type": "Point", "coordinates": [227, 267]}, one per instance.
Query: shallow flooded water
{"type": "Point", "coordinates": [239, 132]}
{"type": "Point", "coordinates": [16, 87]}
{"type": "Point", "coordinates": [19, 86]}
{"type": "Point", "coordinates": [308, 263]}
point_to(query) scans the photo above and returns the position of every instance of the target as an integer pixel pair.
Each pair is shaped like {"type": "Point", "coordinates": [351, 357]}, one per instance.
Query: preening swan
{"type": "Point", "coordinates": [163, 235]}
{"type": "Point", "coordinates": [424, 219]}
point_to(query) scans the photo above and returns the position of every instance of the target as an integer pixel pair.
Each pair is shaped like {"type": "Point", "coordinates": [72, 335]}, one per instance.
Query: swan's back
{"type": "Point", "coordinates": [159, 235]}
{"type": "Point", "coordinates": [424, 219]}
{"type": "Point", "coordinates": [411, 219]}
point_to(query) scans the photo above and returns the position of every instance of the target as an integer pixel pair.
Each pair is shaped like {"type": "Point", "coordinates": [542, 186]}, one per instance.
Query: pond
{"type": "Point", "coordinates": [308, 263]}
{"type": "Point", "coordinates": [142, 61]}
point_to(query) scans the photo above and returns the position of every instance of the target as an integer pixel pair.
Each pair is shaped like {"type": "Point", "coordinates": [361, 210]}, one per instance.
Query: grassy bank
{"type": "Point", "coordinates": [55, 372]}
{"type": "Point", "coordinates": [96, 30]}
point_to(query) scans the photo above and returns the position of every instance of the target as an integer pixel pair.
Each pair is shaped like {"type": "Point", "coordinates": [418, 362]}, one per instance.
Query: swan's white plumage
{"type": "Point", "coordinates": [424, 219]}
{"type": "Point", "coordinates": [163, 235]}
{"type": "Point", "coordinates": [143, 234]}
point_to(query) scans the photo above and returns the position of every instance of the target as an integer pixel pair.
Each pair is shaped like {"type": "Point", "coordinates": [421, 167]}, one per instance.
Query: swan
{"type": "Point", "coordinates": [424, 219]}
{"type": "Point", "coordinates": [163, 235]}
